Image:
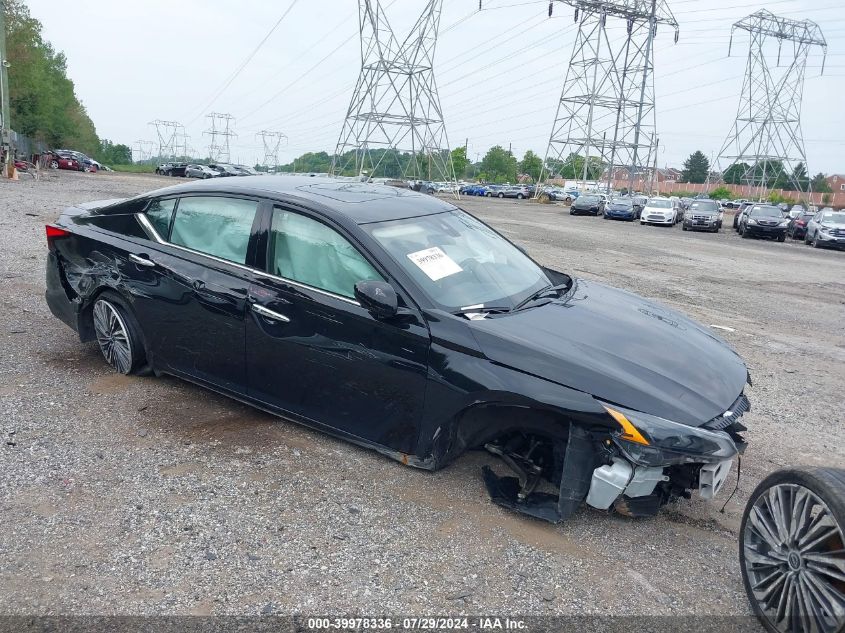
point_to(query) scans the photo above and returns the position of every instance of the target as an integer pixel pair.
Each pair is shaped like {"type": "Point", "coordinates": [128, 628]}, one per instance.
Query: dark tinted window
{"type": "Point", "coordinates": [216, 226]}
{"type": "Point", "coordinates": [160, 214]}
{"type": "Point", "coordinates": [121, 224]}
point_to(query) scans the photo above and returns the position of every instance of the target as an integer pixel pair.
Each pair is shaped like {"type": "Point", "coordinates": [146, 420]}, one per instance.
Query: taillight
{"type": "Point", "coordinates": [54, 233]}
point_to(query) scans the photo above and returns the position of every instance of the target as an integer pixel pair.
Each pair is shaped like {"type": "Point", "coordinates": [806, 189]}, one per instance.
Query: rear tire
{"type": "Point", "coordinates": [54, 164]}
{"type": "Point", "coordinates": [792, 537]}
{"type": "Point", "coordinates": [118, 334]}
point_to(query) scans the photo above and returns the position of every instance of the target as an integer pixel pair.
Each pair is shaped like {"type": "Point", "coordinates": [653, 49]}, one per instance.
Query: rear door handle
{"type": "Point", "coordinates": [269, 314]}
{"type": "Point", "coordinates": [141, 261]}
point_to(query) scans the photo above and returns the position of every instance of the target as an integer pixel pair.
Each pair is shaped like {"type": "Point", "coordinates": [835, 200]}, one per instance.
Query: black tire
{"type": "Point", "coordinates": [568, 202]}
{"type": "Point", "coordinates": [571, 212]}
{"type": "Point", "coordinates": [519, 196]}
{"type": "Point", "coordinates": [684, 227]}
{"type": "Point", "coordinates": [815, 241]}
{"type": "Point", "coordinates": [807, 238]}
{"type": "Point", "coordinates": [501, 195]}
{"type": "Point", "coordinates": [135, 363]}
{"type": "Point", "coordinates": [744, 234]}
{"type": "Point", "coordinates": [782, 238]}
{"type": "Point", "coordinates": [817, 495]}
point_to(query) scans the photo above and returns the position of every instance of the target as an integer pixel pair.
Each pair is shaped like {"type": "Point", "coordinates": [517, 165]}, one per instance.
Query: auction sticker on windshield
{"type": "Point", "coordinates": [435, 263]}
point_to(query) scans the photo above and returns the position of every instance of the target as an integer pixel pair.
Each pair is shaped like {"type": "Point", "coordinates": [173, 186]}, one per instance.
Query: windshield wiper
{"type": "Point", "coordinates": [481, 310]}
{"type": "Point", "coordinates": [541, 293]}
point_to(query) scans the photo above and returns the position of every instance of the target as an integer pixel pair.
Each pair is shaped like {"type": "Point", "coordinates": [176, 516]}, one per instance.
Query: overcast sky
{"type": "Point", "coordinates": [500, 71]}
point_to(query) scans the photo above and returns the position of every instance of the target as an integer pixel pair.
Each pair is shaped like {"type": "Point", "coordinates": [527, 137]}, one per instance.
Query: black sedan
{"type": "Point", "coordinates": [620, 209]}
{"type": "Point", "coordinates": [401, 323]}
{"type": "Point", "coordinates": [587, 205]}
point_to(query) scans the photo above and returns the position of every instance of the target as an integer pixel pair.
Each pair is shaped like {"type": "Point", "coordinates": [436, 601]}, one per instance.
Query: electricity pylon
{"type": "Point", "coordinates": [168, 133]}
{"type": "Point", "coordinates": [271, 141]}
{"type": "Point", "coordinates": [765, 144]}
{"type": "Point", "coordinates": [606, 115]}
{"type": "Point", "coordinates": [394, 126]}
{"type": "Point", "coordinates": [143, 151]}
{"type": "Point", "coordinates": [220, 133]}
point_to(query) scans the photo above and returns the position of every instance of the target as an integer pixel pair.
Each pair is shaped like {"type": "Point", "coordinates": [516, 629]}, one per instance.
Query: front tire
{"type": "Point", "coordinates": [815, 242]}
{"type": "Point", "coordinates": [118, 335]}
{"type": "Point", "coordinates": [792, 546]}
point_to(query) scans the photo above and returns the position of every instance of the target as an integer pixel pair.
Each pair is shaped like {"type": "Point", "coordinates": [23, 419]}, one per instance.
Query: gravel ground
{"type": "Point", "coordinates": [151, 496]}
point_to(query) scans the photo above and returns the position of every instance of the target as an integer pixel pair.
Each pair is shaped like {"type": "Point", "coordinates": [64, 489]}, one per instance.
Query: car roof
{"type": "Point", "coordinates": [360, 202]}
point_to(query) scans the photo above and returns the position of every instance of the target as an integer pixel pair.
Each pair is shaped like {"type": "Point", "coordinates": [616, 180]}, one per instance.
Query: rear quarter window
{"type": "Point", "coordinates": [126, 225]}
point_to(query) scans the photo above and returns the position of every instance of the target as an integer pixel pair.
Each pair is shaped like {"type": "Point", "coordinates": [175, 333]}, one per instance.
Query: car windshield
{"type": "Point", "coordinates": [766, 212]}
{"type": "Point", "coordinates": [458, 261]}
{"type": "Point", "coordinates": [660, 204]}
{"type": "Point", "coordinates": [589, 199]}
{"type": "Point", "coordinates": [703, 205]}
{"type": "Point", "coordinates": [622, 203]}
{"type": "Point", "coordinates": [834, 218]}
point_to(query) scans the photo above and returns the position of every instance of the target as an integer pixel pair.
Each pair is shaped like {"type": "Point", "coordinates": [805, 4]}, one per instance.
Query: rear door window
{"type": "Point", "coordinates": [214, 225]}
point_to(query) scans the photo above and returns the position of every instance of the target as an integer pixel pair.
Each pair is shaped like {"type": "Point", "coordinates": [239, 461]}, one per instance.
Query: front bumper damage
{"type": "Point", "coordinates": [607, 478]}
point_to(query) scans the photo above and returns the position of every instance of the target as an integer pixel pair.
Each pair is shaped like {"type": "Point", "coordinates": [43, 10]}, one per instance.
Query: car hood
{"type": "Point", "coordinates": [620, 348]}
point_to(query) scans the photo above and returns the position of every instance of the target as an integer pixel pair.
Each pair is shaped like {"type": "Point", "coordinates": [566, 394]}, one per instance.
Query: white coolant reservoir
{"type": "Point", "coordinates": [608, 482]}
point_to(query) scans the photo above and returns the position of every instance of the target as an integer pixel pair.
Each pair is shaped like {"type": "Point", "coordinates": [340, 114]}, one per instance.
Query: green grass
{"type": "Point", "coordinates": [134, 169]}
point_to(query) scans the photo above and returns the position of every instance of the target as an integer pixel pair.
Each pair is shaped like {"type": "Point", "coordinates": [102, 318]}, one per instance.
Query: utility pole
{"type": "Point", "coordinates": [767, 135]}
{"type": "Point", "coordinates": [607, 105]}
{"type": "Point", "coordinates": [5, 110]}
{"type": "Point", "coordinates": [395, 108]}
{"type": "Point", "coordinates": [653, 171]}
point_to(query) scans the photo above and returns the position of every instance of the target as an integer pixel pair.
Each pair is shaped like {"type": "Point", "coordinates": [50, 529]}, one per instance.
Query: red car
{"type": "Point", "coordinates": [62, 161]}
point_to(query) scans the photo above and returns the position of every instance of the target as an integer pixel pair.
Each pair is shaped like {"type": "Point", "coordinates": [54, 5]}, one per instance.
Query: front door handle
{"type": "Point", "coordinates": [141, 261]}
{"type": "Point", "coordinates": [269, 314]}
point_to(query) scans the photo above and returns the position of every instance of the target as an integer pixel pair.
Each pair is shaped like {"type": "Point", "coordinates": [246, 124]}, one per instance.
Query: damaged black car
{"type": "Point", "coordinates": [401, 323]}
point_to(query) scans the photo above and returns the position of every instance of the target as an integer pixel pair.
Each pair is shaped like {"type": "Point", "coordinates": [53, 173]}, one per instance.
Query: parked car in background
{"type": "Point", "coordinates": [743, 208]}
{"type": "Point", "coordinates": [562, 195]}
{"type": "Point", "coordinates": [246, 170]}
{"type": "Point", "coordinates": [797, 228]}
{"type": "Point", "coordinates": [225, 169]}
{"type": "Point", "coordinates": [62, 161]}
{"type": "Point", "coordinates": [703, 215]}
{"type": "Point", "coordinates": [200, 171]}
{"type": "Point", "coordinates": [172, 169]}
{"type": "Point", "coordinates": [475, 190]}
{"type": "Point", "coordinates": [520, 192]}
{"type": "Point", "coordinates": [826, 228]}
{"type": "Point", "coordinates": [492, 191]}
{"type": "Point", "coordinates": [639, 204]}
{"type": "Point", "coordinates": [588, 204]}
{"type": "Point", "coordinates": [764, 220]}
{"type": "Point", "coordinates": [620, 209]}
{"type": "Point", "coordinates": [663, 211]}
{"type": "Point", "coordinates": [86, 163]}
{"type": "Point", "coordinates": [324, 303]}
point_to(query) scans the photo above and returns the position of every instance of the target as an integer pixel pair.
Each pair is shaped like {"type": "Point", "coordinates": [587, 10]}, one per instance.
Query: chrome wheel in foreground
{"type": "Point", "coordinates": [113, 336]}
{"type": "Point", "coordinates": [794, 558]}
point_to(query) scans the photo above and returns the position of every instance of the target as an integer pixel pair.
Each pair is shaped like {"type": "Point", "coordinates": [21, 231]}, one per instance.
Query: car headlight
{"type": "Point", "coordinates": [784, 223]}
{"type": "Point", "coordinates": [648, 440]}
{"type": "Point", "coordinates": [825, 229]}
{"type": "Point", "coordinates": [752, 221]}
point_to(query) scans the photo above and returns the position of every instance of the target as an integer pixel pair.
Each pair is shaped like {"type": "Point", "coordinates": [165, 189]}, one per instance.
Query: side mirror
{"type": "Point", "coordinates": [378, 298]}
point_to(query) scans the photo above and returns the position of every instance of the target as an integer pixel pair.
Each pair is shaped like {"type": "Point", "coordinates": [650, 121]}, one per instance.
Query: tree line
{"type": "Point", "coordinates": [43, 103]}
{"type": "Point", "coordinates": [769, 173]}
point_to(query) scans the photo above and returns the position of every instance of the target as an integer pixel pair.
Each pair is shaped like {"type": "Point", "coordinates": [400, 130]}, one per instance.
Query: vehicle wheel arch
{"type": "Point", "coordinates": [483, 422]}
{"type": "Point", "coordinates": [86, 312]}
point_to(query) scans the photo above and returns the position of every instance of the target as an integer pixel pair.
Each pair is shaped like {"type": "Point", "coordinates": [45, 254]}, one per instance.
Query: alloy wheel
{"type": "Point", "coordinates": [113, 336]}
{"type": "Point", "coordinates": [795, 560]}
